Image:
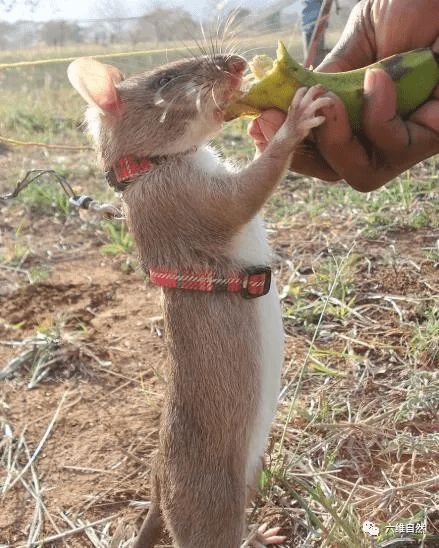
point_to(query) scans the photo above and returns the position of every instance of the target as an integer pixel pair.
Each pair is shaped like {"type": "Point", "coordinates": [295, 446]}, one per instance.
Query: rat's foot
{"type": "Point", "coordinates": [261, 537]}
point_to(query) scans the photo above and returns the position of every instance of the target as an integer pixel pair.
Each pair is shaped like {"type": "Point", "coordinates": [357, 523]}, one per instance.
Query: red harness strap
{"type": "Point", "coordinates": [128, 166]}
{"type": "Point", "coordinates": [125, 169]}
{"type": "Point", "coordinates": [252, 282]}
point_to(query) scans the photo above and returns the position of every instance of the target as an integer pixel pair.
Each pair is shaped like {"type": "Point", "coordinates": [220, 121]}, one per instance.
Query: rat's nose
{"type": "Point", "coordinates": [236, 65]}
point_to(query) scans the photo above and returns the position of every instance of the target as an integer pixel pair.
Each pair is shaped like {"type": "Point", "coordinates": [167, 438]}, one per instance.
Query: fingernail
{"type": "Point", "coordinates": [370, 82]}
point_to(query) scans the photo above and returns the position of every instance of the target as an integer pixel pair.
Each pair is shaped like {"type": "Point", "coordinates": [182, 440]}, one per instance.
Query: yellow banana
{"type": "Point", "coordinates": [415, 74]}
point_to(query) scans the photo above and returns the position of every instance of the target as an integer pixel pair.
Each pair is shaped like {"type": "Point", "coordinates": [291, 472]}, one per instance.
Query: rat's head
{"type": "Point", "coordinates": [167, 110]}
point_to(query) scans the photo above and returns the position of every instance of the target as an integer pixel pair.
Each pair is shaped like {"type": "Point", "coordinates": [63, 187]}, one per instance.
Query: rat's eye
{"type": "Point", "coordinates": [161, 81]}
{"type": "Point", "coordinates": [164, 80]}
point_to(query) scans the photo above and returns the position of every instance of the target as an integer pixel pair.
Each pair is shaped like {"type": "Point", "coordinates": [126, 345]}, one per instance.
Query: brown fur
{"type": "Point", "coordinates": [185, 216]}
{"type": "Point", "coordinates": [141, 128]}
{"type": "Point", "coordinates": [212, 376]}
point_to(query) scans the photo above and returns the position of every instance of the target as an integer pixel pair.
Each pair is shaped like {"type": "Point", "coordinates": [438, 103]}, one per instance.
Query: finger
{"type": "Point", "coordinates": [398, 144]}
{"type": "Point", "coordinates": [255, 132]}
{"type": "Point", "coordinates": [314, 92]}
{"type": "Point", "coordinates": [319, 104]}
{"type": "Point", "coordinates": [380, 122]}
{"type": "Point", "coordinates": [340, 148]}
{"type": "Point", "coordinates": [262, 129]}
{"type": "Point", "coordinates": [427, 116]}
{"type": "Point", "coordinates": [404, 144]}
{"type": "Point", "coordinates": [315, 121]}
{"type": "Point", "coordinates": [307, 95]}
{"type": "Point", "coordinates": [307, 160]}
{"type": "Point", "coordinates": [271, 536]}
{"type": "Point", "coordinates": [276, 540]}
{"type": "Point", "coordinates": [299, 96]}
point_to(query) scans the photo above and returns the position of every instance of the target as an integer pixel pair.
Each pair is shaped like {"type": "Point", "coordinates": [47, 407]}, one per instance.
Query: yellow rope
{"type": "Point", "coordinates": [14, 142]}
{"type": "Point", "coordinates": [40, 62]}
{"type": "Point", "coordinates": [185, 47]}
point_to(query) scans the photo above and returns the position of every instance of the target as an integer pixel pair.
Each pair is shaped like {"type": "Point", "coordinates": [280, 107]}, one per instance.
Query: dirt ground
{"type": "Point", "coordinates": [96, 411]}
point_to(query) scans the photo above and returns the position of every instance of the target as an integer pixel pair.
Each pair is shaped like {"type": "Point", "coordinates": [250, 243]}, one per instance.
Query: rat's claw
{"type": "Point", "coordinates": [264, 537]}
{"type": "Point", "coordinates": [270, 536]}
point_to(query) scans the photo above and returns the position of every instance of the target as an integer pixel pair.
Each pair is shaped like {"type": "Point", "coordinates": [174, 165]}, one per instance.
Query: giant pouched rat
{"type": "Point", "coordinates": [196, 226]}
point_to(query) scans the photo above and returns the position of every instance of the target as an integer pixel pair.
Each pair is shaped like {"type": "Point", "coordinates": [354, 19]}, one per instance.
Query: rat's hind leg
{"type": "Point", "coordinates": [260, 536]}
{"type": "Point", "coordinates": [153, 526]}
{"type": "Point", "coordinates": [151, 530]}
{"type": "Point", "coordinates": [204, 506]}
{"type": "Point", "coordinates": [218, 527]}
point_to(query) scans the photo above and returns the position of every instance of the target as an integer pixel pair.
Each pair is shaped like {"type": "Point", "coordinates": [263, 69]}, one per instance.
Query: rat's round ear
{"type": "Point", "coordinates": [96, 83]}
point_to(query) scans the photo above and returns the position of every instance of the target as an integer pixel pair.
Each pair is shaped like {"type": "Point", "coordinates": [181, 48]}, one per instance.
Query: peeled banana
{"type": "Point", "coordinates": [415, 74]}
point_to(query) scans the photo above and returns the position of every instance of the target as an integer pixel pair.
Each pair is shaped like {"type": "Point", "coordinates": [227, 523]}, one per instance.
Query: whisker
{"type": "Point", "coordinates": [192, 54]}
{"type": "Point", "coordinates": [201, 90]}
{"type": "Point", "coordinates": [252, 51]}
{"type": "Point", "coordinates": [158, 99]}
{"type": "Point", "coordinates": [198, 100]}
{"type": "Point", "coordinates": [204, 50]}
{"type": "Point", "coordinates": [201, 47]}
{"type": "Point", "coordinates": [166, 111]}
{"type": "Point", "coordinates": [213, 95]}
{"type": "Point", "coordinates": [228, 26]}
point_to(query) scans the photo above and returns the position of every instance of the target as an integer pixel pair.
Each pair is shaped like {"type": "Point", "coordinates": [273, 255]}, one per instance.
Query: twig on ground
{"type": "Point", "coordinates": [74, 531]}
{"type": "Point", "coordinates": [12, 464]}
{"type": "Point", "coordinates": [33, 492]}
{"type": "Point", "coordinates": [393, 490]}
{"type": "Point", "coordinates": [40, 445]}
{"type": "Point", "coordinates": [87, 530]}
{"type": "Point", "coordinates": [87, 470]}
{"type": "Point", "coordinates": [38, 519]}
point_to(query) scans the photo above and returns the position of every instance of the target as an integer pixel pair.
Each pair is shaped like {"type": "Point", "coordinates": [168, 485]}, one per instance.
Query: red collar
{"type": "Point", "coordinates": [125, 169]}
{"type": "Point", "coordinates": [251, 282]}
{"type": "Point", "coordinates": [128, 166]}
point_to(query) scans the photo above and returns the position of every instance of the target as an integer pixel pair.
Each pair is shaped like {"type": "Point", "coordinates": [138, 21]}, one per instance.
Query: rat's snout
{"type": "Point", "coordinates": [225, 73]}
{"type": "Point", "coordinates": [236, 65]}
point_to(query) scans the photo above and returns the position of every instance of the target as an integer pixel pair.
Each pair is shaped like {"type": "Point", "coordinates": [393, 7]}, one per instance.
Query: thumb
{"type": "Point", "coordinates": [380, 121]}
{"type": "Point", "coordinates": [262, 129]}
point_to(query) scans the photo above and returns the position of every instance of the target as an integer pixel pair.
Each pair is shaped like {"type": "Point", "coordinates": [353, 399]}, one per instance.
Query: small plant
{"type": "Point", "coordinates": [422, 396]}
{"type": "Point", "coordinates": [46, 200]}
{"type": "Point", "coordinates": [16, 251]}
{"type": "Point", "coordinates": [426, 335]}
{"type": "Point", "coordinates": [308, 297]}
{"type": "Point", "coordinates": [56, 353]}
{"type": "Point", "coordinates": [121, 241]}
{"type": "Point", "coordinates": [38, 274]}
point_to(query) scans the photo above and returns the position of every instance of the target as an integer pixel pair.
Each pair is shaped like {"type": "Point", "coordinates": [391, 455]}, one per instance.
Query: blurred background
{"type": "Point", "coordinates": [34, 23]}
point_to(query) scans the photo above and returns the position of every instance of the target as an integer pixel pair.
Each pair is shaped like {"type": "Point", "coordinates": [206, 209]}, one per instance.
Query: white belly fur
{"type": "Point", "coordinates": [251, 247]}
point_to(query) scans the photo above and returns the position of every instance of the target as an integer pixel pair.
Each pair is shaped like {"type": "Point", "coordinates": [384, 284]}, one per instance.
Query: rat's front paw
{"type": "Point", "coordinates": [302, 114]}
{"type": "Point", "coordinates": [262, 536]}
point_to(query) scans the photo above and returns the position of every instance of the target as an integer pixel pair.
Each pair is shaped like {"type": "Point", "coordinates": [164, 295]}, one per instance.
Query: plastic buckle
{"type": "Point", "coordinates": [248, 273]}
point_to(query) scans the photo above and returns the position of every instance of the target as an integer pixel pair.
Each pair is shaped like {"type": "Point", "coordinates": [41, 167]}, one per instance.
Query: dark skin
{"type": "Point", "coordinates": [388, 146]}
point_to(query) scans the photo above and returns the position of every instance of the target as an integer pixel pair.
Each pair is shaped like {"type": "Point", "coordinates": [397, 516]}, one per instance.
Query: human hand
{"type": "Point", "coordinates": [388, 146]}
